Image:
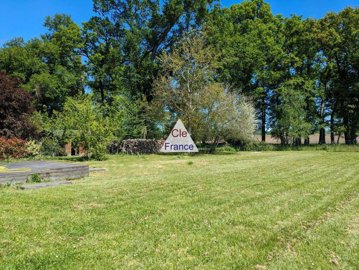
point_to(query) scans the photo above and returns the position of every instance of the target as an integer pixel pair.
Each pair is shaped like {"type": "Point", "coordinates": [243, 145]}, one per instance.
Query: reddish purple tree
{"type": "Point", "coordinates": [16, 107]}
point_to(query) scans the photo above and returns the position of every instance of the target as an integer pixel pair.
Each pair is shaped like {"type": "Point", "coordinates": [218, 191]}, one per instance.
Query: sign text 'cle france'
{"type": "Point", "coordinates": [179, 140]}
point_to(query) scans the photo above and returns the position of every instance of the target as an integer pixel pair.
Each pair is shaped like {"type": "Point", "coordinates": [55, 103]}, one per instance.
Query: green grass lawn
{"type": "Point", "coordinates": [248, 210]}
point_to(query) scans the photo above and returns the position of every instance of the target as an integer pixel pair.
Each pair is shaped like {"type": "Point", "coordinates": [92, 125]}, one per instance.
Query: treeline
{"type": "Point", "coordinates": [300, 74]}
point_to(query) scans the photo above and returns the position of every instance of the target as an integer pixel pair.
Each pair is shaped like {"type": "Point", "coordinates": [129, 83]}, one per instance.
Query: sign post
{"type": "Point", "coordinates": [179, 141]}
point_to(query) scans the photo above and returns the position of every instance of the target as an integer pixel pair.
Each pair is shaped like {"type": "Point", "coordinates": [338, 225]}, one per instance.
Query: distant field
{"type": "Point", "coordinates": [313, 139]}
{"type": "Point", "coordinates": [248, 210]}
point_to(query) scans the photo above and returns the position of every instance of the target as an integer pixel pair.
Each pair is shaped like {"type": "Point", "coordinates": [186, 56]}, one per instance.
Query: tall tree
{"type": "Point", "coordinates": [103, 59]}
{"type": "Point", "coordinates": [251, 40]}
{"type": "Point", "coordinates": [338, 37]}
{"type": "Point", "coordinates": [187, 90]}
{"type": "Point", "coordinates": [50, 67]}
{"type": "Point", "coordinates": [142, 30]}
{"type": "Point", "coordinates": [290, 113]}
{"type": "Point", "coordinates": [298, 82]}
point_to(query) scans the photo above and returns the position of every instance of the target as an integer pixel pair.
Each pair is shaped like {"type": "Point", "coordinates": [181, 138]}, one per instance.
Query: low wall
{"type": "Point", "coordinates": [51, 171]}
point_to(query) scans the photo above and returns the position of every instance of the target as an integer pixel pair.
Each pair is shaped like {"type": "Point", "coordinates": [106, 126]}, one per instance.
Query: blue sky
{"type": "Point", "coordinates": [24, 18]}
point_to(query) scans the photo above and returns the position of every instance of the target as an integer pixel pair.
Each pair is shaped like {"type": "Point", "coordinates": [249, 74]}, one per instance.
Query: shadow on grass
{"type": "Point", "coordinates": [72, 158]}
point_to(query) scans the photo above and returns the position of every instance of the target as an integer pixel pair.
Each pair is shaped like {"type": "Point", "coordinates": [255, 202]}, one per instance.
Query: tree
{"type": "Point", "coordinates": [142, 30]}
{"type": "Point", "coordinates": [290, 122]}
{"type": "Point", "coordinates": [251, 41]}
{"type": "Point", "coordinates": [103, 60]}
{"type": "Point", "coordinates": [186, 89]}
{"type": "Point", "coordinates": [15, 109]}
{"type": "Point", "coordinates": [50, 67]}
{"type": "Point", "coordinates": [123, 41]}
{"type": "Point", "coordinates": [19, 60]}
{"type": "Point", "coordinates": [338, 38]}
{"type": "Point", "coordinates": [302, 71]}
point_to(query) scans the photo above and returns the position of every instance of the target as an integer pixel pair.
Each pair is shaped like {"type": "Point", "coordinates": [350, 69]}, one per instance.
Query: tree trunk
{"type": "Point", "coordinates": [350, 137]}
{"type": "Point", "coordinates": [214, 145]}
{"type": "Point", "coordinates": [284, 139]}
{"type": "Point", "coordinates": [322, 135]}
{"type": "Point", "coordinates": [307, 141]}
{"type": "Point", "coordinates": [332, 138]}
{"type": "Point", "coordinates": [322, 130]}
{"type": "Point", "coordinates": [347, 137]}
{"type": "Point", "coordinates": [297, 141]}
{"type": "Point", "coordinates": [263, 119]}
{"type": "Point", "coordinates": [347, 133]}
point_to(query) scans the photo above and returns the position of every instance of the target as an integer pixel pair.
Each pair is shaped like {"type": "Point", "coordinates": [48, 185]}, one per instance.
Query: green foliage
{"type": "Point", "coordinates": [226, 149]}
{"type": "Point", "coordinates": [338, 36]}
{"type": "Point", "coordinates": [35, 178]}
{"type": "Point", "coordinates": [34, 148]}
{"type": "Point", "coordinates": [49, 67]}
{"type": "Point", "coordinates": [50, 146]}
{"type": "Point", "coordinates": [187, 90]}
{"type": "Point", "coordinates": [125, 114]}
{"type": "Point", "coordinates": [254, 146]}
{"type": "Point", "coordinates": [290, 117]}
{"type": "Point", "coordinates": [135, 39]}
{"type": "Point", "coordinates": [263, 54]}
{"type": "Point", "coordinates": [251, 41]}
{"type": "Point", "coordinates": [300, 74]}
{"type": "Point", "coordinates": [83, 122]}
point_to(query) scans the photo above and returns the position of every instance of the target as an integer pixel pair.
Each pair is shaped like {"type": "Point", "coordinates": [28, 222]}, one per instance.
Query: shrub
{"type": "Point", "coordinates": [33, 148]}
{"type": "Point", "coordinates": [226, 149]}
{"type": "Point", "coordinates": [35, 178]}
{"type": "Point", "coordinates": [141, 146]}
{"type": "Point", "coordinates": [13, 148]}
{"type": "Point", "coordinates": [83, 122]}
{"type": "Point", "coordinates": [15, 109]}
{"type": "Point", "coordinates": [51, 147]}
{"type": "Point", "coordinates": [254, 146]}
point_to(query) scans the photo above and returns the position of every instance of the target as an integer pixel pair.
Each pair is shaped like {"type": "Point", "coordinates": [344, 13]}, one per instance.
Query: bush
{"type": "Point", "coordinates": [83, 122]}
{"type": "Point", "coordinates": [33, 148]}
{"type": "Point", "coordinates": [13, 148]}
{"type": "Point", "coordinates": [35, 178]}
{"type": "Point", "coordinates": [141, 146]}
{"type": "Point", "coordinates": [51, 147]}
{"type": "Point", "coordinates": [226, 149]}
{"type": "Point", "coordinates": [15, 109]}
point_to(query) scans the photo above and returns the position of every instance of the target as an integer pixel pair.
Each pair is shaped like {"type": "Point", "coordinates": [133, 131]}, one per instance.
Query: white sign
{"type": "Point", "coordinates": [179, 140]}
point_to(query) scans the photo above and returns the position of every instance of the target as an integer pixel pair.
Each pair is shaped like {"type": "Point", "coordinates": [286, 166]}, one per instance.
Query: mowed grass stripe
{"type": "Point", "coordinates": [234, 213]}
{"type": "Point", "coordinates": [332, 244]}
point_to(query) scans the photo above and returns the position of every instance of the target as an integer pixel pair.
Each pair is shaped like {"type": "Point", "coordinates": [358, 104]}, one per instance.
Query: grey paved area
{"type": "Point", "coordinates": [37, 166]}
